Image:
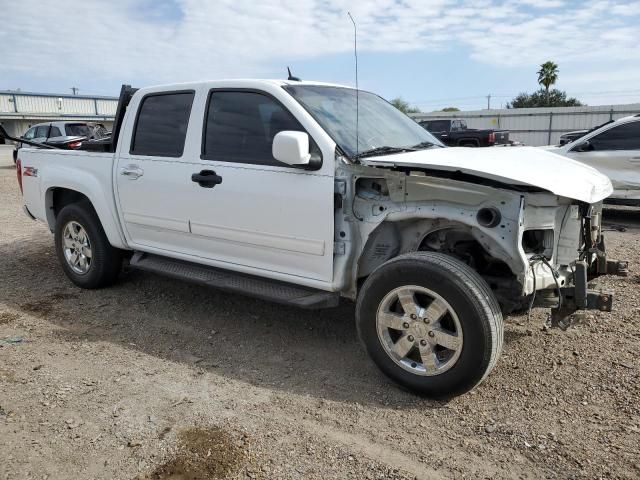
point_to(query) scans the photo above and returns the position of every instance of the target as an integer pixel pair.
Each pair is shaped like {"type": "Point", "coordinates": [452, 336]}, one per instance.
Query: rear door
{"type": "Point", "coordinates": [616, 153]}
{"type": "Point", "coordinates": [152, 178]}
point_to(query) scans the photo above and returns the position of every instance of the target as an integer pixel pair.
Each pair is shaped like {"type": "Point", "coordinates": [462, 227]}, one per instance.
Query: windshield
{"type": "Point", "coordinates": [380, 124]}
{"type": "Point", "coordinates": [77, 129]}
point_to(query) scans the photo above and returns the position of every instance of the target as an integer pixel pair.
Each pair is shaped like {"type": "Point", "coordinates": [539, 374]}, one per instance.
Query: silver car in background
{"type": "Point", "coordinates": [67, 134]}
{"type": "Point", "coordinates": [614, 149]}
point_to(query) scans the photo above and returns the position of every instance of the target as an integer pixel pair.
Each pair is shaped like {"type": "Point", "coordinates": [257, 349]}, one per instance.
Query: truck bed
{"type": "Point", "coordinates": [89, 173]}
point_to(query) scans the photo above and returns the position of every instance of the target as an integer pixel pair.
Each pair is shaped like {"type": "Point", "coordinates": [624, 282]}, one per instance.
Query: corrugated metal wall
{"type": "Point", "coordinates": [26, 104]}
{"type": "Point", "coordinates": [107, 107]}
{"type": "Point", "coordinates": [6, 104]}
{"type": "Point", "coordinates": [538, 126]}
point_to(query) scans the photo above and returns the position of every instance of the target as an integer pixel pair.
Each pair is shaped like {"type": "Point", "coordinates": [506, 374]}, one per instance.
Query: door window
{"type": "Point", "coordinates": [622, 137]}
{"type": "Point", "coordinates": [30, 133]}
{"type": "Point", "coordinates": [240, 127]}
{"type": "Point", "coordinates": [161, 126]}
{"type": "Point", "coordinates": [55, 132]}
{"type": "Point", "coordinates": [456, 125]}
{"type": "Point", "coordinates": [42, 131]}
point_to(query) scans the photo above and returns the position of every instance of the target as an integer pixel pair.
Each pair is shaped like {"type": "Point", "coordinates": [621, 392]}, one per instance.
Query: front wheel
{"type": "Point", "coordinates": [430, 323]}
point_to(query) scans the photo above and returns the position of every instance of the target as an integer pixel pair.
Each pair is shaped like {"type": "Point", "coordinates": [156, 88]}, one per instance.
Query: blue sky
{"type": "Point", "coordinates": [433, 53]}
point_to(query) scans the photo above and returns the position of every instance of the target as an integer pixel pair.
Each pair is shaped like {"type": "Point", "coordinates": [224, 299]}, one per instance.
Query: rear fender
{"type": "Point", "coordinates": [88, 185]}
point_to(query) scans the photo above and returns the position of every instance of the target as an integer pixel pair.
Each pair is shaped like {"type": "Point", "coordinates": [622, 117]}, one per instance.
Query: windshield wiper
{"type": "Point", "coordinates": [421, 145]}
{"type": "Point", "coordinates": [382, 151]}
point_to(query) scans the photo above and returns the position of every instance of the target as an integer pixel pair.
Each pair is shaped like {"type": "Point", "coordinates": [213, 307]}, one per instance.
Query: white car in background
{"type": "Point", "coordinates": [614, 149]}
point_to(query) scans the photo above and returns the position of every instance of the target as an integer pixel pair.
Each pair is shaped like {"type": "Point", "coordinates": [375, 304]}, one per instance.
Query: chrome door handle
{"type": "Point", "coordinates": [133, 172]}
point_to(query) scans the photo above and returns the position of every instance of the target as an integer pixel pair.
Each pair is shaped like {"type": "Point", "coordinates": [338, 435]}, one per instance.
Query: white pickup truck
{"type": "Point", "coordinates": [275, 189]}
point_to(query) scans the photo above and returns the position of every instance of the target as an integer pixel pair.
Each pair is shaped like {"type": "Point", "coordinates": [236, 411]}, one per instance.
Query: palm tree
{"type": "Point", "coordinates": [547, 76]}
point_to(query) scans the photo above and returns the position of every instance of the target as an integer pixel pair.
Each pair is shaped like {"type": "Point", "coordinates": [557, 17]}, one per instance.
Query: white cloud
{"type": "Point", "coordinates": [119, 39]}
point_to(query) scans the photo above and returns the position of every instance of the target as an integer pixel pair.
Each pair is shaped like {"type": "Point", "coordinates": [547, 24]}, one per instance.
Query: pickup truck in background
{"type": "Point", "coordinates": [456, 134]}
{"type": "Point", "coordinates": [268, 188]}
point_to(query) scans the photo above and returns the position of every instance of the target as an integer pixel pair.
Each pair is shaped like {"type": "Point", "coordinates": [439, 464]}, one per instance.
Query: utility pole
{"type": "Point", "coordinates": [75, 90]}
{"type": "Point", "coordinates": [489, 102]}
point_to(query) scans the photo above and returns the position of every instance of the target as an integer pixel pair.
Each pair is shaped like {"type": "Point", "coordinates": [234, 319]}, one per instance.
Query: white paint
{"type": "Point", "coordinates": [521, 166]}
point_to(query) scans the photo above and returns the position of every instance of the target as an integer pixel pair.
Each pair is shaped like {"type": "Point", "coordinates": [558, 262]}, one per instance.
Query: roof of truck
{"type": "Point", "coordinates": [245, 82]}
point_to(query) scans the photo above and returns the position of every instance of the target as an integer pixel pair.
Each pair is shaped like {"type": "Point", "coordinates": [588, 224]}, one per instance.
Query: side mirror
{"type": "Point", "coordinates": [584, 146]}
{"type": "Point", "coordinates": [291, 148]}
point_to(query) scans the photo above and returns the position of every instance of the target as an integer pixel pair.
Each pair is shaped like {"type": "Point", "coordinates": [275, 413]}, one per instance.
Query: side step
{"type": "Point", "coordinates": [259, 287]}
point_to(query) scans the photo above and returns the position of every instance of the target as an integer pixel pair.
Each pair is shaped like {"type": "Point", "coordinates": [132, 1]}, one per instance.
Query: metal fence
{"type": "Point", "coordinates": [537, 126]}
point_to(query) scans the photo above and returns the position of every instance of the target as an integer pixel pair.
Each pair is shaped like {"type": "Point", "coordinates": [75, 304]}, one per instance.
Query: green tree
{"type": "Point", "coordinates": [544, 98]}
{"type": "Point", "coordinates": [404, 106]}
{"type": "Point", "coordinates": [450, 109]}
{"type": "Point", "coordinates": [548, 75]}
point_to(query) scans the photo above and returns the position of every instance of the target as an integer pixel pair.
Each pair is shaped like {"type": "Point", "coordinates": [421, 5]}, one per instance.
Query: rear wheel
{"type": "Point", "coordinates": [84, 251]}
{"type": "Point", "coordinates": [430, 323]}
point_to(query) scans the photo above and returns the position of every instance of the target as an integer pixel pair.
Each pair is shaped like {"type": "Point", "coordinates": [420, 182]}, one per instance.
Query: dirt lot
{"type": "Point", "coordinates": [159, 379]}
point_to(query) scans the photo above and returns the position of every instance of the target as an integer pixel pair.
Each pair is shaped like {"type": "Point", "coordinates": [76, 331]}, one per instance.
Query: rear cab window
{"type": "Point", "coordinates": [161, 124]}
{"type": "Point", "coordinates": [436, 125]}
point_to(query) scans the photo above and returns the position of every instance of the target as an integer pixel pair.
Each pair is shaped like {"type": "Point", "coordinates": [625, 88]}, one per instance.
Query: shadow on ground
{"type": "Point", "coordinates": [313, 353]}
{"type": "Point", "coordinates": [621, 217]}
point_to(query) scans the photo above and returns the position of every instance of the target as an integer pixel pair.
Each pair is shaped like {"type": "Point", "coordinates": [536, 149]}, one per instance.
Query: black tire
{"type": "Point", "coordinates": [467, 294]}
{"type": "Point", "coordinates": [106, 261]}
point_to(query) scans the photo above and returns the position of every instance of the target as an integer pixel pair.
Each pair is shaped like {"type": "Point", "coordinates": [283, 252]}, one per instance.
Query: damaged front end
{"type": "Point", "coordinates": [573, 287]}
{"type": "Point", "coordinates": [535, 238]}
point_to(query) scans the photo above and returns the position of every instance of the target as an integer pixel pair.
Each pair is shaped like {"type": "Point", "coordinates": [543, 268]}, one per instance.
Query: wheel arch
{"type": "Point", "coordinates": [457, 240]}
{"type": "Point", "coordinates": [468, 140]}
{"type": "Point", "coordinates": [58, 197]}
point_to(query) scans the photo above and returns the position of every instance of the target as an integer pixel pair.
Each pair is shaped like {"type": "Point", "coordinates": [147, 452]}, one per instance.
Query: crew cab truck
{"type": "Point", "coordinates": [271, 188]}
{"type": "Point", "coordinates": [455, 133]}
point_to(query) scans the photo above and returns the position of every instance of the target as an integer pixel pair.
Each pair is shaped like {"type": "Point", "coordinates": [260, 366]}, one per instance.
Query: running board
{"type": "Point", "coordinates": [263, 288]}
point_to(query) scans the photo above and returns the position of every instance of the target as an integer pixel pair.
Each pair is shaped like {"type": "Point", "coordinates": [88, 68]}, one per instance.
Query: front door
{"type": "Point", "coordinates": [264, 214]}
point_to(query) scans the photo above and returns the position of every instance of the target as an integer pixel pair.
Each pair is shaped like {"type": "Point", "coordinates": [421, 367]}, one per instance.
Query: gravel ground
{"type": "Point", "coordinates": [155, 378]}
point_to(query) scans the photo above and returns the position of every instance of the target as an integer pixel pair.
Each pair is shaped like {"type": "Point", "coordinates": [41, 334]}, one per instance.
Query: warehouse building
{"type": "Point", "coordinates": [20, 110]}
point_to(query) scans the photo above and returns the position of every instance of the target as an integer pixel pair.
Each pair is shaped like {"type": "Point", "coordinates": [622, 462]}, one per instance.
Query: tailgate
{"type": "Point", "coordinates": [502, 136]}
{"type": "Point", "coordinates": [30, 165]}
